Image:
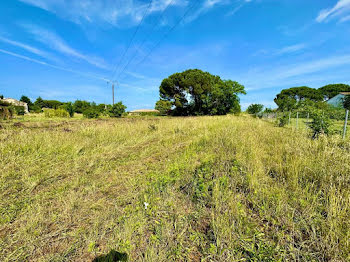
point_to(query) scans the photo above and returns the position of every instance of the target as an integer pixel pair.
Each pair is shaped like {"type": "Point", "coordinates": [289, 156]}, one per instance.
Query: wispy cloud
{"type": "Point", "coordinates": [124, 13]}
{"type": "Point", "coordinates": [291, 73]}
{"type": "Point", "coordinates": [291, 49]}
{"type": "Point", "coordinates": [118, 13]}
{"type": "Point", "coordinates": [29, 48]}
{"type": "Point", "coordinates": [341, 8]}
{"type": "Point", "coordinates": [55, 42]}
{"type": "Point", "coordinates": [50, 65]}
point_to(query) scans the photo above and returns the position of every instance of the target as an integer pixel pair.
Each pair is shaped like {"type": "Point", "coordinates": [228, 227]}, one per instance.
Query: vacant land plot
{"type": "Point", "coordinates": [172, 189]}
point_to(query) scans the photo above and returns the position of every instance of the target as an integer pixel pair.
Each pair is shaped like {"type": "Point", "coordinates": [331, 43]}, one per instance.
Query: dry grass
{"type": "Point", "coordinates": [219, 189]}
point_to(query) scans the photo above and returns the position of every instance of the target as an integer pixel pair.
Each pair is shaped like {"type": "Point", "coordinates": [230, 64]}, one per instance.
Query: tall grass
{"type": "Point", "coordinates": [173, 189]}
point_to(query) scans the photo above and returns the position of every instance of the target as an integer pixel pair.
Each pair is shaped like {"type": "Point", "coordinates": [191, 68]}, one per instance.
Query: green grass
{"type": "Point", "coordinates": [217, 188]}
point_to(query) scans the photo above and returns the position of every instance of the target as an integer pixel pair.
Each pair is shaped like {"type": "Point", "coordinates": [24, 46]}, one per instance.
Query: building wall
{"type": "Point", "coordinates": [17, 103]}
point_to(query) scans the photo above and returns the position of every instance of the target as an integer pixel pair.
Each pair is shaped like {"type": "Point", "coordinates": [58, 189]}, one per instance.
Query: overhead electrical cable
{"type": "Point", "coordinates": [166, 34]}
{"type": "Point", "coordinates": [155, 25]}
{"type": "Point", "coordinates": [131, 40]}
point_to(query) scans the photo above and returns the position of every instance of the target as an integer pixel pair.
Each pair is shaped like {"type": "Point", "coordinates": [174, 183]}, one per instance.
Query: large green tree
{"type": "Point", "coordinates": [292, 97]}
{"type": "Point", "coordinates": [332, 90]}
{"type": "Point", "coordinates": [194, 92]}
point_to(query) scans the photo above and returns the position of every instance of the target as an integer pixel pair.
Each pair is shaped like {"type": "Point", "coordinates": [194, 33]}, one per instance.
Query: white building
{"type": "Point", "coordinates": [16, 103]}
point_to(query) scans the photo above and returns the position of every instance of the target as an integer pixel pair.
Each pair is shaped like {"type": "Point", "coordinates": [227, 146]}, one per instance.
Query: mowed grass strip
{"type": "Point", "coordinates": [216, 189]}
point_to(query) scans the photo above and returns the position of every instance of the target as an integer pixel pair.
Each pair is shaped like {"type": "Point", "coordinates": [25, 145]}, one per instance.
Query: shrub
{"type": "Point", "coordinates": [35, 109]}
{"type": "Point", "coordinates": [91, 113]}
{"type": "Point", "coordinates": [320, 124]}
{"type": "Point", "coordinates": [4, 103]}
{"type": "Point", "coordinates": [163, 106]}
{"type": "Point", "coordinates": [6, 113]}
{"type": "Point", "coordinates": [117, 110]}
{"type": "Point", "coordinates": [19, 110]}
{"type": "Point", "coordinates": [55, 113]}
{"type": "Point", "coordinates": [283, 120]}
{"type": "Point", "coordinates": [70, 109]}
{"type": "Point", "coordinates": [254, 109]}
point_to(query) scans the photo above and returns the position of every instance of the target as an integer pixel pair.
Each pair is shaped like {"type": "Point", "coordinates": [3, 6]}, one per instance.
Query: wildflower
{"type": "Point", "coordinates": [146, 204]}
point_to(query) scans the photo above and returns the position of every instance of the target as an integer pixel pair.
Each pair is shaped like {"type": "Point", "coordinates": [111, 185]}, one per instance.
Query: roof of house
{"type": "Point", "coordinates": [337, 101]}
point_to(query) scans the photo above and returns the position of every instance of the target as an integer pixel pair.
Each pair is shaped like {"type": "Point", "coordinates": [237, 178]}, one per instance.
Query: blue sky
{"type": "Point", "coordinates": [65, 49]}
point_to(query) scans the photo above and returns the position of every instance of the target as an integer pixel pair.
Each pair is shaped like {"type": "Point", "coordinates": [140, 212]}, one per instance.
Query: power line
{"type": "Point", "coordinates": [166, 34]}
{"type": "Point", "coordinates": [131, 40]}
{"type": "Point", "coordinates": [155, 25]}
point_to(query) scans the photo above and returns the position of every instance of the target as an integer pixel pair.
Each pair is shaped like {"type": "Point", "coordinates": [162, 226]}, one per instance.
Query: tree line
{"type": "Point", "coordinates": [88, 109]}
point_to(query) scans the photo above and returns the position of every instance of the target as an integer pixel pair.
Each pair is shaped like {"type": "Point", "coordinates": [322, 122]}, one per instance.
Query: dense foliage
{"type": "Point", "coordinates": [320, 123]}
{"type": "Point", "coordinates": [91, 113]}
{"type": "Point", "coordinates": [194, 92]}
{"type": "Point", "coordinates": [254, 109]}
{"type": "Point", "coordinates": [117, 110]}
{"type": "Point", "coordinates": [64, 109]}
{"type": "Point", "coordinates": [346, 102]}
{"type": "Point", "coordinates": [163, 106]}
{"type": "Point", "coordinates": [48, 112]}
{"type": "Point", "coordinates": [290, 98]}
{"type": "Point", "coordinates": [330, 91]}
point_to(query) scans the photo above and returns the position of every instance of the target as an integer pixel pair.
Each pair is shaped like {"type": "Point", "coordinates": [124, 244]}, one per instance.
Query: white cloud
{"type": "Point", "coordinates": [295, 73]}
{"type": "Point", "coordinates": [28, 48]}
{"type": "Point", "coordinates": [123, 13]}
{"type": "Point", "coordinates": [342, 7]}
{"type": "Point", "coordinates": [114, 12]}
{"type": "Point", "coordinates": [291, 49]}
{"type": "Point", "coordinates": [344, 19]}
{"type": "Point", "coordinates": [52, 66]}
{"type": "Point", "coordinates": [56, 43]}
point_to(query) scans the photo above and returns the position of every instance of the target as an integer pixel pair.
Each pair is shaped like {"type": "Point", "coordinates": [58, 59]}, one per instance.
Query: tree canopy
{"type": "Point", "coordinates": [346, 102]}
{"type": "Point", "coordinates": [255, 109]}
{"type": "Point", "coordinates": [194, 92]}
{"type": "Point", "coordinates": [332, 90]}
{"type": "Point", "coordinates": [290, 98]}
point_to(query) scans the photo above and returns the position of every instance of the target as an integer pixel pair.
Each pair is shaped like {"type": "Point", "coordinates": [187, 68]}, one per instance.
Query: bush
{"type": "Point", "coordinates": [19, 110]}
{"type": "Point", "coordinates": [35, 109]}
{"type": "Point", "coordinates": [320, 124]}
{"type": "Point", "coordinates": [70, 109]}
{"type": "Point", "coordinates": [163, 107]}
{"type": "Point", "coordinates": [6, 113]}
{"type": "Point", "coordinates": [91, 113]}
{"type": "Point", "coordinates": [283, 120]}
{"type": "Point", "coordinates": [117, 110]}
{"type": "Point", "coordinates": [254, 109]}
{"type": "Point", "coordinates": [4, 103]}
{"type": "Point", "coordinates": [55, 113]}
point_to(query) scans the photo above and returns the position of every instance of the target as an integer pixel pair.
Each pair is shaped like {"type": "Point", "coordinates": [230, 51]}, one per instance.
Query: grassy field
{"type": "Point", "coordinates": [172, 189]}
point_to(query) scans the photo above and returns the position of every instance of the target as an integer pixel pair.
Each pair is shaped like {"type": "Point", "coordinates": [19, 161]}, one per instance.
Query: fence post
{"type": "Point", "coordinates": [345, 123]}
{"type": "Point", "coordinates": [297, 119]}
{"type": "Point", "coordinates": [307, 120]}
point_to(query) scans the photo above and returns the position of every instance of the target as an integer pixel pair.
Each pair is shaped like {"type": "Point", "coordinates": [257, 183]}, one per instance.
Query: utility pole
{"type": "Point", "coordinates": [113, 92]}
